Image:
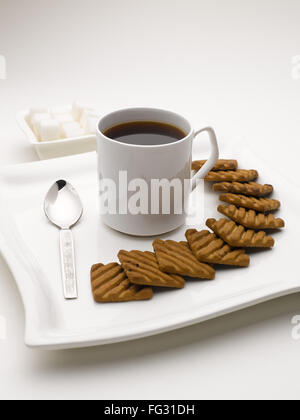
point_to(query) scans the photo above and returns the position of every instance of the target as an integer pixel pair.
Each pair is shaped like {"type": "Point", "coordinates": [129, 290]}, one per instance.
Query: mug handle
{"type": "Point", "coordinates": [212, 160]}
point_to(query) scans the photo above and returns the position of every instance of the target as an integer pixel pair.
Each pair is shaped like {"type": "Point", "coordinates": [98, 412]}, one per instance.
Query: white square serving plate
{"type": "Point", "coordinates": [30, 245]}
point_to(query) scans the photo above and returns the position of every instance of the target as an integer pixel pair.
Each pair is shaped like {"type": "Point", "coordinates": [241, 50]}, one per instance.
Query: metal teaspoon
{"type": "Point", "coordinates": [64, 209]}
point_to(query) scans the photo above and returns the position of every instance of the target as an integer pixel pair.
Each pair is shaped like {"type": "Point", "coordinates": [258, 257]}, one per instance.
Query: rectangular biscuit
{"type": "Point", "coordinates": [250, 218]}
{"type": "Point", "coordinates": [221, 165]}
{"type": "Point", "coordinates": [142, 268]}
{"type": "Point", "coordinates": [110, 284]}
{"type": "Point", "coordinates": [261, 205]}
{"type": "Point", "coordinates": [237, 236]}
{"type": "Point", "coordinates": [177, 258]}
{"type": "Point", "coordinates": [207, 247]}
{"type": "Point", "coordinates": [240, 175]}
{"type": "Point", "coordinates": [248, 188]}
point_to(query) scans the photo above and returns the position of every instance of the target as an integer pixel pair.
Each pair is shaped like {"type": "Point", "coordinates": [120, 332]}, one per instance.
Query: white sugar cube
{"type": "Point", "coordinates": [37, 110]}
{"type": "Point", "coordinates": [78, 109]}
{"type": "Point", "coordinates": [64, 118]}
{"type": "Point", "coordinates": [86, 116]}
{"type": "Point", "coordinates": [49, 130]}
{"type": "Point", "coordinates": [36, 122]}
{"type": "Point", "coordinates": [71, 129]}
{"type": "Point", "coordinates": [59, 111]}
{"type": "Point", "coordinates": [65, 128]}
{"type": "Point", "coordinates": [91, 125]}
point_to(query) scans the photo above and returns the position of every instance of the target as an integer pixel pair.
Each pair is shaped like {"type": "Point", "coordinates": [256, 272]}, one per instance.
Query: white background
{"type": "Point", "coordinates": [226, 63]}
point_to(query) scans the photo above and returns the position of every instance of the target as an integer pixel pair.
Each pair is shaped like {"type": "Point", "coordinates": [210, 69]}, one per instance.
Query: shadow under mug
{"type": "Point", "coordinates": [122, 166]}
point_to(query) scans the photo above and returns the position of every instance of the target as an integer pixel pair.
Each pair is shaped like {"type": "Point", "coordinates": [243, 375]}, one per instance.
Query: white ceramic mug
{"type": "Point", "coordinates": [156, 162]}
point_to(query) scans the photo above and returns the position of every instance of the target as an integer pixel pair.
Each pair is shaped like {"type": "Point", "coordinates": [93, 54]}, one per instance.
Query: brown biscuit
{"type": "Point", "coordinates": [261, 205]}
{"type": "Point", "coordinates": [207, 247]}
{"type": "Point", "coordinates": [237, 236]}
{"type": "Point", "coordinates": [250, 219]}
{"type": "Point", "coordinates": [250, 188]}
{"type": "Point", "coordinates": [142, 268]}
{"type": "Point", "coordinates": [221, 165]}
{"type": "Point", "coordinates": [110, 284]}
{"type": "Point", "coordinates": [241, 175]}
{"type": "Point", "coordinates": [177, 258]}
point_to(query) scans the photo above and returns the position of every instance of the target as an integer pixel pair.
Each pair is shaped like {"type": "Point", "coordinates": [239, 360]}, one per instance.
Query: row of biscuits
{"type": "Point", "coordinates": [172, 262]}
{"type": "Point", "coordinates": [139, 272]}
{"type": "Point", "coordinates": [249, 209]}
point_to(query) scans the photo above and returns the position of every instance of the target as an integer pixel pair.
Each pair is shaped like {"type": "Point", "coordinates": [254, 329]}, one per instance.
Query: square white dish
{"type": "Point", "coordinates": [56, 148]}
{"type": "Point", "coordinates": [30, 245]}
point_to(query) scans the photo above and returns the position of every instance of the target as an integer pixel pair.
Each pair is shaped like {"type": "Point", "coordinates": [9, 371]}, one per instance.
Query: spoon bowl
{"type": "Point", "coordinates": [63, 206]}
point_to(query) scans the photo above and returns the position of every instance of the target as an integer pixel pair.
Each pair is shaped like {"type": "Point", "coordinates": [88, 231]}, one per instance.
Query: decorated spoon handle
{"type": "Point", "coordinates": [68, 264]}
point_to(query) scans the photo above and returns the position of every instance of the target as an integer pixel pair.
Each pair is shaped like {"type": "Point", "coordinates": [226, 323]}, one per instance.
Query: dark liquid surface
{"type": "Point", "coordinates": [145, 133]}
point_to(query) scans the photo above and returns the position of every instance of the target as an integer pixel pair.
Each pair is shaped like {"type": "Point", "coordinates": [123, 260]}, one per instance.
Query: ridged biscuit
{"type": "Point", "coordinates": [237, 236]}
{"type": "Point", "coordinates": [221, 165]}
{"type": "Point", "coordinates": [248, 188]}
{"type": "Point", "coordinates": [207, 247]}
{"type": "Point", "coordinates": [250, 219]}
{"type": "Point", "coordinates": [177, 258]}
{"type": "Point", "coordinates": [240, 175]}
{"type": "Point", "coordinates": [142, 268]}
{"type": "Point", "coordinates": [110, 284]}
{"type": "Point", "coordinates": [261, 205]}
